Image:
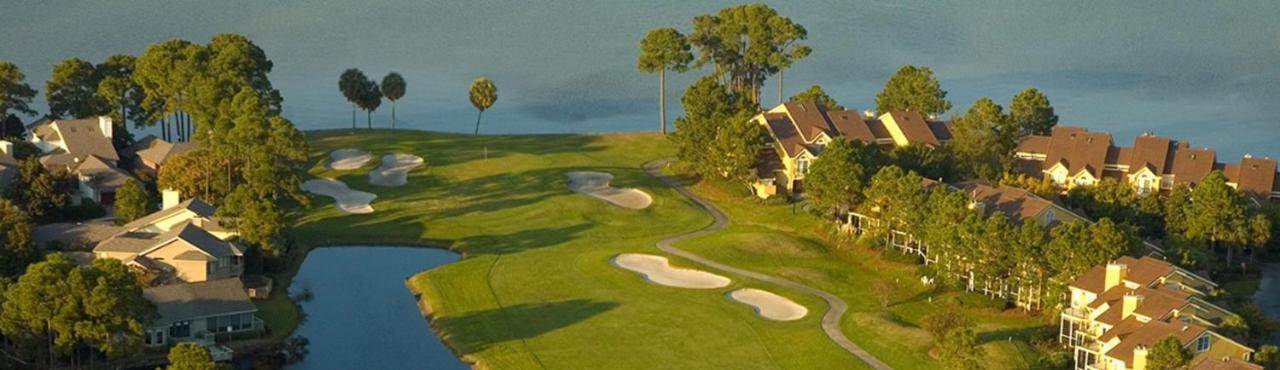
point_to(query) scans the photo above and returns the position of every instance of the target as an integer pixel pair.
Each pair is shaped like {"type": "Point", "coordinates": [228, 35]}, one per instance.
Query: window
{"type": "Point", "coordinates": [180, 329]}
{"type": "Point", "coordinates": [802, 166]}
{"type": "Point", "coordinates": [1202, 343]}
{"type": "Point", "coordinates": [159, 336]}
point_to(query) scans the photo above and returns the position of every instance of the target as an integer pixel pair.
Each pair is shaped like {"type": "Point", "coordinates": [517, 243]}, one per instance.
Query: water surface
{"type": "Point", "coordinates": [362, 316]}
{"type": "Point", "coordinates": [1204, 71]}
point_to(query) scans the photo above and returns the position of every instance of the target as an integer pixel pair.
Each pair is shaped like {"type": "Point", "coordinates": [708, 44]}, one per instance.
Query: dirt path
{"type": "Point", "coordinates": [830, 321]}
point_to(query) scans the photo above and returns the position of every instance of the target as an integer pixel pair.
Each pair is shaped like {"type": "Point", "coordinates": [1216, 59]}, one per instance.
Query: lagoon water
{"type": "Point", "coordinates": [362, 316]}
{"type": "Point", "coordinates": [1204, 71]}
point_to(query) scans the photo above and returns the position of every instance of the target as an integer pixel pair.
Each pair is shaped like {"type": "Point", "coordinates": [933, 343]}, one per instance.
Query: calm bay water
{"type": "Point", "coordinates": [1202, 71]}
{"type": "Point", "coordinates": [362, 316]}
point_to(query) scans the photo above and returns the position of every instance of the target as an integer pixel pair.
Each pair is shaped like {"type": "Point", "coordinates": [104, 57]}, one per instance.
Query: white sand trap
{"type": "Point", "coordinates": [348, 159]}
{"type": "Point", "coordinates": [657, 270]}
{"type": "Point", "coordinates": [349, 201]}
{"type": "Point", "coordinates": [596, 184]}
{"type": "Point", "coordinates": [394, 170]}
{"type": "Point", "coordinates": [768, 305]}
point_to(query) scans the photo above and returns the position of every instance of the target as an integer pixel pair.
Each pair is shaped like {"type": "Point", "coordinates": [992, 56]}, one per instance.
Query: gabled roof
{"type": "Point", "coordinates": [1254, 176]}
{"type": "Point", "coordinates": [1149, 334]}
{"type": "Point", "coordinates": [1036, 144]}
{"type": "Point", "coordinates": [1150, 152]}
{"type": "Point", "coordinates": [809, 119]}
{"type": "Point", "coordinates": [1190, 165]}
{"type": "Point", "coordinates": [1078, 149]}
{"type": "Point", "coordinates": [83, 138]}
{"type": "Point", "coordinates": [196, 206]}
{"type": "Point", "coordinates": [1016, 204]}
{"type": "Point", "coordinates": [189, 301]}
{"type": "Point", "coordinates": [852, 126]}
{"type": "Point", "coordinates": [915, 128]}
{"type": "Point", "coordinates": [104, 175]}
{"type": "Point", "coordinates": [162, 150]}
{"type": "Point", "coordinates": [784, 133]}
{"type": "Point", "coordinates": [1142, 271]}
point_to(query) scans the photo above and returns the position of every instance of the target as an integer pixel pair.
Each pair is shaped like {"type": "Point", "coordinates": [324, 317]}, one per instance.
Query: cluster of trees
{"type": "Point", "coordinates": [59, 309]}
{"type": "Point", "coordinates": [745, 45]}
{"type": "Point", "coordinates": [1193, 222]}
{"type": "Point", "coordinates": [367, 94]}
{"type": "Point", "coordinates": [250, 157]}
{"type": "Point", "coordinates": [1011, 259]}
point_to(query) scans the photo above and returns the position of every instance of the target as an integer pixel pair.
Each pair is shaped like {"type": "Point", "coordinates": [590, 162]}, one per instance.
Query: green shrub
{"type": "Point", "coordinates": [1060, 360]}
{"type": "Point", "coordinates": [979, 301]}
{"type": "Point", "coordinates": [87, 210]}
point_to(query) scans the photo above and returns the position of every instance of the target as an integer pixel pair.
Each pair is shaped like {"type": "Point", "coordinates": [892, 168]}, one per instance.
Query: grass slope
{"type": "Point", "coordinates": [535, 288]}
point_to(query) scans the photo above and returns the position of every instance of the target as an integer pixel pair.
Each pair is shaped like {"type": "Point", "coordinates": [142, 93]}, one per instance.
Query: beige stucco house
{"type": "Point", "coordinates": [181, 242]}
{"type": "Point", "coordinates": [1121, 309]}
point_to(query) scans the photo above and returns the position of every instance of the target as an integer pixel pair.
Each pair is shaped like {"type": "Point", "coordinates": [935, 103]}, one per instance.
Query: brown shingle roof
{"type": "Point", "coordinates": [162, 150]}
{"type": "Point", "coordinates": [1016, 204]}
{"type": "Point", "coordinates": [1151, 333]}
{"type": "Point", "coordinates": [1033, 144]}
{"type": "Point", "coordinates": [851, 125]}
{"type": "Point", "coordinates": [1149, 152]}
{"type": "Point", "coordinates": [104, 175]}
{"type": "Point", "coordinates": [810, 119]}
{"type": "Point", "coordinates": [1190, 165]}
{"type": "Point", "coordinates": [1079, 149]}
{"type": "Point", "coordinates": [941, 130]}
{"type": "Point", "coordinates": [784, 133]}
{"type": "Point", "coordinates": [1256, 176]}
{"type": "Point", "coordinates": [767, 163]}
{"type": "Point", "coordinates": [1142, 271]}
{"type": "Point", "coordinates": [915, 128]}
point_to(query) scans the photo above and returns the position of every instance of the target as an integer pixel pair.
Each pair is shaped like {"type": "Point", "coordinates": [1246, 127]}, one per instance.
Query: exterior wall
{"type": "Point", "coordinates": [200, 329]}
{"type": "Point", "coordinates": [189, 271]}
{"type": "Point", "coordinates": [899, 138]}
{"type": "Point", "coordinates": [1220, 348]}
{"type": "Point", "coordinates": [86, 190]}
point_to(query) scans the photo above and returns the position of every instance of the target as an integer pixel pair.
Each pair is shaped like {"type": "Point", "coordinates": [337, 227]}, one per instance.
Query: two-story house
{"type": "Point", "coordinates": [181, 242]}
{"type": "Point", "coordinates": [1119, 310]}
{"type": "Point", "coordinates": [1073, 156]}
{"type": "Point", "coordinates": [799, 130]}
{"type": "Point", "coordinates": [83, 148]}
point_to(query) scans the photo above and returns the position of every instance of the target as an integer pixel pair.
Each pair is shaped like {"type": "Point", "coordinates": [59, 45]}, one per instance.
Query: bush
{"type": "Point", "coordinates": [87, 210]}
{"type": "Point", "coordinates": [1060, 360]}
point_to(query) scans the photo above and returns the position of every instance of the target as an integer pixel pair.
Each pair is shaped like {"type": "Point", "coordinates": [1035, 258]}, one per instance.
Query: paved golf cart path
{"type": "Point", "coordinates": [830, 321]}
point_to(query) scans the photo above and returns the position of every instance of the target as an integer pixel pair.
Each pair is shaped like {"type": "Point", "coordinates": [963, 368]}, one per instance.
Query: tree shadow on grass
{"type": "Point", "coordinates": [442, 149]}
{"type": "Point", "coordinates": [521, 240]}
{"type": "Point", "coordinates": [1025, 333]}
{"type": "Point", "coordinates": [475, 331]}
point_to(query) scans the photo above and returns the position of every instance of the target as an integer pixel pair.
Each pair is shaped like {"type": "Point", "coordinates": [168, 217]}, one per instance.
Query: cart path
{"type": "Point", "coordinates": [837, 307]}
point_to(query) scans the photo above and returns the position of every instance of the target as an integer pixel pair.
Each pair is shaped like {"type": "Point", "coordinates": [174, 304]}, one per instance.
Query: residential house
{"type": "Point", "coordinates": [1073, 156]}
{"type": "Point", "coordinates": [181, 242]}
{"type": "Point", "coordinates": [8, 165]}
{"type": "Point", "coordinates": [199, 311]}
{"type": "Point", "coordinates": [83, 148]}
{"type": "Point", "coordinates": [1118, 311]}
{"type": "Point", "coordinates": [150, 153]}
{"type": "Point", "coordinates": [799, 131]}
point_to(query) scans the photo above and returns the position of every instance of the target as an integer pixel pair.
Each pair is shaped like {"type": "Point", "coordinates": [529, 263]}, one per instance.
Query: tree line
{"type": "Point", "coordinates": [367, 94]}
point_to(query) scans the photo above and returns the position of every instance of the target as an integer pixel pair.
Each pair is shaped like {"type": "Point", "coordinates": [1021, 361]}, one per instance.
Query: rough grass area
{"type": "Point", "coordinates": [535, 288]}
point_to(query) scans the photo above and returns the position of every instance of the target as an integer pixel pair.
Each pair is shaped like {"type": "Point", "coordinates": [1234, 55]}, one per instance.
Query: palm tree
{"type": "Point", "coordinates": [352, 84]}
{"type": "Point", "coordinates": [372, 98]}
{"type": "Point", "coordinates": [660, 50]}
{"type": "Point", "coordinates": [393, 87]}
{"type": "Point", "coordinates": [483, 94]}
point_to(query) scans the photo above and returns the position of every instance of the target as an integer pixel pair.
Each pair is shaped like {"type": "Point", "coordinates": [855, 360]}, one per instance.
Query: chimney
{"type": "Point", "coordinates": [6, 147]}
{"type": "Point", "coordinates": [104, 124]}
{"type": "Point", "coordinates": [869, 114]}
{"type": "Point", "coordinates": [1140, 357]}
{"type": "Point", "coordinates": [171, 198]}
{"type": "Point", "coordinates": [1129, 304]}
{"type": "Point", "coordinates": [1115, 275]}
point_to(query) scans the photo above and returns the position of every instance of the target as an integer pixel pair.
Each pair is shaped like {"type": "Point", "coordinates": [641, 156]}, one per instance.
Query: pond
{"type": "Point", "coordinates": [362, 316]}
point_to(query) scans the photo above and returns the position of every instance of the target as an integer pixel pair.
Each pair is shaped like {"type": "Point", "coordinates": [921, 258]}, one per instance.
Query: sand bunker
{"type": "Point", "coordinates": [596, 184]}
{"type": "Point", "coordinates": [768, 305]}
{"type": "Point", "coordinates": [394, 170]}
{"type": "Point", "coordinates": [349, 201]}
{"type": "Point", "coordinates": [348, 159]}
{"type": "Point", "coordinates": [657, 270]}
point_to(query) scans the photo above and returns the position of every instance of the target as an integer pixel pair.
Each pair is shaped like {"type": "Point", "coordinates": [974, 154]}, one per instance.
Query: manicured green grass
{"type": "Point", "coordinates": [535, 287]}
{"type": "Point", "coordinates": [782, 239]}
